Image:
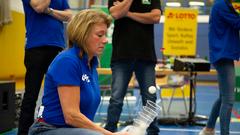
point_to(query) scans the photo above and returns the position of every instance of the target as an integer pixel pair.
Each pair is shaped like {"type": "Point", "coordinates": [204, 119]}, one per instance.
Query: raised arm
{"type": "Point", "coordinates": [120, 9]}
{"type": "Point", "coordinates": [146, 18]}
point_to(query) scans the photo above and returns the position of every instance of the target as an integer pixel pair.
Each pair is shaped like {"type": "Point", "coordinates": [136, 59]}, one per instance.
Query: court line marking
{"type": "Point", "coordinates": [192, 130]}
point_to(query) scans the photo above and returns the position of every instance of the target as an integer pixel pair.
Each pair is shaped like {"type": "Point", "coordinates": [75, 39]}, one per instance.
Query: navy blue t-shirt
{"type": "Point", "coordinates": [43, 29]}
{"type": "Point", "coordinates": [69, 69]}
{"type": "Point", "coordinates": [224, 26]}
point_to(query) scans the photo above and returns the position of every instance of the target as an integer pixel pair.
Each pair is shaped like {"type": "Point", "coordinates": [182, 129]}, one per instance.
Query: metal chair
{"type": "Point", "coordinates": [174, 84]}
{"type": "Point", "coordinates": [106, 88]}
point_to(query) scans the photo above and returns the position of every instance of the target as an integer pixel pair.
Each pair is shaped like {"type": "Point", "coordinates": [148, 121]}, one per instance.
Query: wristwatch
{"type": "Point", "coordinates": [50, 11]}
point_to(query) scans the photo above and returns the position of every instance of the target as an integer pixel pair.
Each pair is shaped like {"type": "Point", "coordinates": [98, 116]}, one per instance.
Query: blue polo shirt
{"type": "Point", "coordinates": [43, 29]}
{"type": "Point", "coordinates": [69, 69]}
{"type": "Point", "coordinates": [224, 26]}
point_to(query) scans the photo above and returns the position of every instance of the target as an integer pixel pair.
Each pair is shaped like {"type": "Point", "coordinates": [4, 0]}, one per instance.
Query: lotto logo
{"type": "Point", "coordinates": [190, 16]}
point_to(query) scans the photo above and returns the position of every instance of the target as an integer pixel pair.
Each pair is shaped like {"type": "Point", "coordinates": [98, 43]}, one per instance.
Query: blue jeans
{"type": "Point", "coordinates": [222, 107]}
{"type": "Point", "coordinates": [121, 74]}
{"type": "Point", "coordinates": [42, 128]}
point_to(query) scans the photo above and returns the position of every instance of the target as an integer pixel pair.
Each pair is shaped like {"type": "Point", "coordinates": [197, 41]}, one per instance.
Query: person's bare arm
{"type": "Point", "coordinates": [120, 9]}
{"type": "Point", "coordinates": [70, 103]}
{"type": "Point", "coordinates": [63, 15]}
{"type": "Point", "coordinates": [42, 6]}
{"type": "Point", "coordinates": [146, 18]}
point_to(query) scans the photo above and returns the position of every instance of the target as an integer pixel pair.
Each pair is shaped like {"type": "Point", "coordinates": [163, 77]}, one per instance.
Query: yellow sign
{"type": "Point", "coordinates": [180, 32]}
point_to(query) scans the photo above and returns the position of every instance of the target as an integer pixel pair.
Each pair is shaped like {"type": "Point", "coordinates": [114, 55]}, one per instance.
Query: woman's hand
{"type": "Point", "coordinates": [121, 133]}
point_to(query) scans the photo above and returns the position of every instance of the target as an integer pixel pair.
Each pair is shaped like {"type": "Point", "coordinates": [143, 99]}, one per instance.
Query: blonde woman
{"type": "Point", "coordinates": [71, 91]}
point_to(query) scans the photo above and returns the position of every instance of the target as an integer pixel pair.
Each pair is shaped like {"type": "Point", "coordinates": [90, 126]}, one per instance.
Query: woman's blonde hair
{"type": "Point", "coordinates": [80, 26]}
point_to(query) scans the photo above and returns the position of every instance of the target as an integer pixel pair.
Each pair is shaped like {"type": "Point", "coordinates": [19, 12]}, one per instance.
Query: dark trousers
{"type": "Point", "coordinates": [122, 71]}
{"type": "Point", "coordinates": [36, 62]}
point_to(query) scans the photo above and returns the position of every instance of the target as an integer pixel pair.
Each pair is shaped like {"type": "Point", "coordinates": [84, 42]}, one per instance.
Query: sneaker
{"type": "Point", "coordinates": [205, 132]}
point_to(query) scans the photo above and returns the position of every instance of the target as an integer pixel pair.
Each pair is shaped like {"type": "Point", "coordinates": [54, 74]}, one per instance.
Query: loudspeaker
{"type": "Point", "coordinates": [195, 64]}
{"type": "Point", "coordinates": [7, 105]}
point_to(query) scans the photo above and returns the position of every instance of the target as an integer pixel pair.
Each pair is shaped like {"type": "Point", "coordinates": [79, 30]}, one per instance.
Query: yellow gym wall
{"type": "Point", "coordinates": [12, 50]}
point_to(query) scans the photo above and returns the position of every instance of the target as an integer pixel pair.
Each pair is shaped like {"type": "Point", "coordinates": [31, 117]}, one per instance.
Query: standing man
{"type": "Point", "coordinates": [44, 40]}
{"type": "Point", "coordinates": [224, 45]}
{"type": "Point", "coordinates": [133, 51]}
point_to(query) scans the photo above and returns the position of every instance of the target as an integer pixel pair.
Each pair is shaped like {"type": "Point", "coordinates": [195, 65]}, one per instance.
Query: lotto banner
{"type": "Point", "coordinates": [180, 32]}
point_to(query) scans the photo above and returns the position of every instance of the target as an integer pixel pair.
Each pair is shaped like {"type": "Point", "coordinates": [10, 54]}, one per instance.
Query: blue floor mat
{"type": "Point", "coordinates": [205, 97]}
